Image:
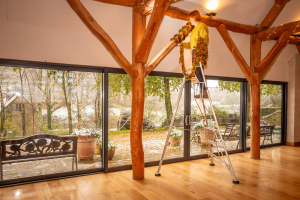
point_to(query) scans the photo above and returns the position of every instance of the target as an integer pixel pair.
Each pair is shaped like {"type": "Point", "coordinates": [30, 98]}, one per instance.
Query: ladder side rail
{"type": "Point", "coordinates": [170, 128]}
{"type": "Point", "coordinates": [216, 119]}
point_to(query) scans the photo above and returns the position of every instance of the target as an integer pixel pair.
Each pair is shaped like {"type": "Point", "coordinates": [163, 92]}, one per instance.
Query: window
{"type": "Point", "coordinates": [225, 97]}
{"type": "Point", "coordinates": [271, 97]}
{"type": "Point", "coordinates": [18, 107]}
{"type": "Point", "coordinates": [58, 103]}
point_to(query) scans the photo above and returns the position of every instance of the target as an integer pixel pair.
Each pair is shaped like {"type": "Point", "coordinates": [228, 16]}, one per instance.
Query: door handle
{"type": "Point", "coordinates": [190, 119]}
{"type": "Point", "coordinates": [186, 123]}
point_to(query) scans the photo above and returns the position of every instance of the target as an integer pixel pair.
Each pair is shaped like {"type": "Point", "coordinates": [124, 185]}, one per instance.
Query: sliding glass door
{"type": "Point", "coordinates": [225, 97]}
{"type": "Point", "coordinates": [61, 103]}
{"type": "Point", "coordinates": [271, 114]}
{"type": "Point", "coordinates": [161, 95]}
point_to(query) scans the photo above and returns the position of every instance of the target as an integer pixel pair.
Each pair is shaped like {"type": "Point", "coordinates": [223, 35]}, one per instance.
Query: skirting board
{"type": "Point", "coordinates": [293, 143]}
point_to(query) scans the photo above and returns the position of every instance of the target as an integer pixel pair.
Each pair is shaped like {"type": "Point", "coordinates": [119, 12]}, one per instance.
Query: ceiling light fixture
{"type": "Point", "coordinates": [212, 4]}
{"type": "Point", "coordinates": [211, 14]}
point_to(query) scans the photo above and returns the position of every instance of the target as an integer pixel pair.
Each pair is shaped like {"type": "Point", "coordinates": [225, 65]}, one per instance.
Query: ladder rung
{"type": "Point", "coordinates": [208, 114]}
{"type": "Point", "coordinates": [211, 142]}
{"type": "Point", "coordinates": [198, 82]}
{"type": "Point", "coordinates": [215, 143]}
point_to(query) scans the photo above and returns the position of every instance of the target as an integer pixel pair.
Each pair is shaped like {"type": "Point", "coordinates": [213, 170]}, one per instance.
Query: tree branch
{"type": "Point", "coordinates": [274, 34]}
{"type": "Point", "coordinates": [154, 62]}
{"type": "Point", "coordinates": [181, 14]}
{"type": "Point", "coordinates": [274, 51]}
{"type": "Point", "coordinates": [58, 107]}
{"type": "Point", "coordinates": [272, 15]}
{"type": "Point", "coordinates": [102, 36]}
{"type": "Point", "coordinates": [160, 8]}
{"type": "Point", "coordinates": [236, 54]}
{"type": "Point", "coordinates": [128, 3]}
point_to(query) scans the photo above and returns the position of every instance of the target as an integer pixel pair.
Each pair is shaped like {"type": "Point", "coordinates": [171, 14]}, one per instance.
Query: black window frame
{"type": "Point", "coordinates": [187, 99]}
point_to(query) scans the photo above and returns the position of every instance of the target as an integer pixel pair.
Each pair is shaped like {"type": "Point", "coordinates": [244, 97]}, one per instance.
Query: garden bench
{"type": "Point", "coordinates": [38, 147]}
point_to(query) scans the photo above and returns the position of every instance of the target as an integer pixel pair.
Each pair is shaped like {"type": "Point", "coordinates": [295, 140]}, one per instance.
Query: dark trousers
{"type": "Point", "coordinates": [198, 71]}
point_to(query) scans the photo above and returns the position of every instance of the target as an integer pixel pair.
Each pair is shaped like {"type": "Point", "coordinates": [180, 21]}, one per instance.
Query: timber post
{"type": "Point", "coordinates": [255, 121]}
{"type": "Point", "coordinates": [138, 97]}
{"type": "Point", "coordinates": [136, 125]}
{"type": "Point", "coordinates": [255, 59]}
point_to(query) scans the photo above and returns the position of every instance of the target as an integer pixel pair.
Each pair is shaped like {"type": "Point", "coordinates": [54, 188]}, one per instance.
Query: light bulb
{"type": "Point", "coordinates": [212, 4]}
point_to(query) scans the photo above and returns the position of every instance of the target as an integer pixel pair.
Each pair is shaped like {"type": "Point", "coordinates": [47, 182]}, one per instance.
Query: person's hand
{"type": "Point", "coordinates": [178, 44]}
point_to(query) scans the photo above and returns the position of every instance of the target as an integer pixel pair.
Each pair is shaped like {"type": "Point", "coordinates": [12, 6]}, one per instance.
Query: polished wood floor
{"type": "Point", "coordinates": [275, 176]}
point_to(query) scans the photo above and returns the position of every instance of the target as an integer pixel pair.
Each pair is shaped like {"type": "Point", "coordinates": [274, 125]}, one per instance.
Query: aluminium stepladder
{"type": "Point", "coordinates": [213, 135]}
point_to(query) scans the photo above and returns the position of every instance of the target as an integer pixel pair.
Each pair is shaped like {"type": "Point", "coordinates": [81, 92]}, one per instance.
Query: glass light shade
{"type": "Point", "coordinates": [212, 4]}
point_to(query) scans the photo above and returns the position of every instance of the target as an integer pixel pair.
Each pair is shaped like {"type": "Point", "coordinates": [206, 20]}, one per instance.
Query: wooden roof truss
{"type": "Point", "coordinates": [143, 39]}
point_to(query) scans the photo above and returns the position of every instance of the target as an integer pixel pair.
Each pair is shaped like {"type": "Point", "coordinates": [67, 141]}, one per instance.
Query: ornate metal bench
{"type": "Point", "coordinates": [38, 147]}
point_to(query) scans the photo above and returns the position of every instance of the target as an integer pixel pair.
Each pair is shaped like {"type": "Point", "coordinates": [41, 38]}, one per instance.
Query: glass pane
{"type": "Point", "coordinates": [119, 111]}
{"type": "Point", "coordinates": [161, 95]}
{"type": "Point", "coordinates": [225, 97]}
{"type": "Point", "coordinates": [270, 114]}
{"type": "Point", "coordinates": [42, 101]}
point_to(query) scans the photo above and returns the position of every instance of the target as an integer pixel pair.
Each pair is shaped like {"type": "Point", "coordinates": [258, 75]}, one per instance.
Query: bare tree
{"type": "Point", "coordinates": [79, 94]}
{"type": "Point", "coordinates": [2, 102]}
{"type": "Point", "coordinates": [67, 94]}
{"type": "Point", "coordinates": [21, 75]}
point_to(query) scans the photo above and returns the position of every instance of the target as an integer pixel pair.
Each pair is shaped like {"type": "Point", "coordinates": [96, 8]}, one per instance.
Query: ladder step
{"type": "Point", "coordinates": [218, 144]}
{"type": "Point", "coordinates": [198, 82]}
{"type": "Point", "coordinates": [208, 114]}
{"type": "Point", "coordinates": [211, 142]}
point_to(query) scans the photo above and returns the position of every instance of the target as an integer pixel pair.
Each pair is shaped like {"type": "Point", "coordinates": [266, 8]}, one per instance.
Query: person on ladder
{"type": "Point", "coordinates": [200, 31]}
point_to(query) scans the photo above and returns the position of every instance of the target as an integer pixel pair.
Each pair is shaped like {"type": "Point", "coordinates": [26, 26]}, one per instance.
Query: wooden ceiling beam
{"type": "Point", "coordinates": [255, 52]}
{"type": "Point", "coordinates": [181, 14]}
{"type": "Point", "coordinates": [276, 32]}
{"type": "Point", "coordinates": [265, 71]}
{"type": "Point", "coordinates": [280, 2]}
{"type": "Point", "coordinates": [298, 47]}
{"type": "Point", "coordinates": [128, 3]}
{"type": "Point", "coordinates": [294, 40]}
{"type": "Point", "coordinates": [274, 51]}
{"type": "Point", "coordinates": [102, 36]}
{"type": "Point", "coordinates": [146, 7]}
{"type": "Point", "coordinates": [236, 54]}
{"type": "Point", "coordinates": [160, 8]}
{"type": "Point", "coordinates": [156, 60]}
{"type": "Point", "coordinates": [272, 15]}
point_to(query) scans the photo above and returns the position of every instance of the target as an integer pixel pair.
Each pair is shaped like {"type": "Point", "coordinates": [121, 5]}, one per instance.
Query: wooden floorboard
{"type": "Point", "coordinates": [275, 176]}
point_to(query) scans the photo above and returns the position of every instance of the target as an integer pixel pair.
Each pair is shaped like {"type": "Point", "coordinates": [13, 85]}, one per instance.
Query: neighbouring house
{"type": "Point", "coordinates": [13, 114]}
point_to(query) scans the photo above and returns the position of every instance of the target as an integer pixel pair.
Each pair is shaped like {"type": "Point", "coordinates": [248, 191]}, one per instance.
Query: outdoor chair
{"type": "Point", "coordinates": [195, 133]}
{"type": "Point", "coordinates": [267, 132]}
{"type": "Point", "coordinates": [228, 131]}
